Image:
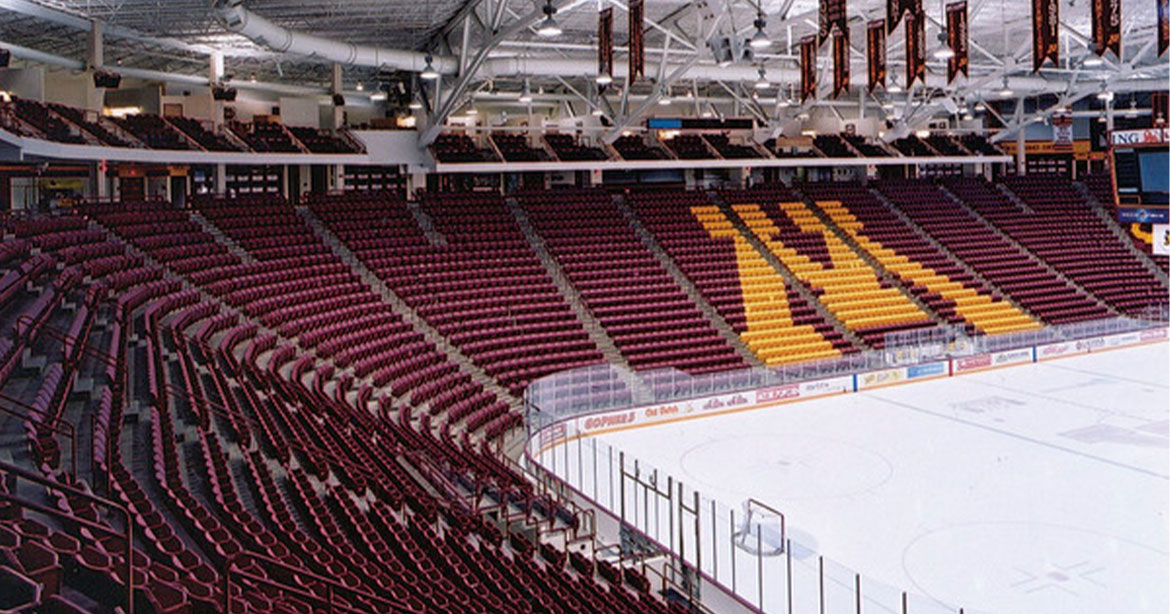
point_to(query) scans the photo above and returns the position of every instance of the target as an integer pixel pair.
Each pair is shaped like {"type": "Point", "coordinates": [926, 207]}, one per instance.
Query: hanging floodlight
{"type": "Point", "coordinates": [894, 88]}
{"type": "Point", "coordinates": [760, 39]}
{"type": "Point", "coordinates": [762, 83]}
{"type": "Point", "coordinates": [604, 79]}
{"type": "Point", "coordinates": [525, 94]}
{"type": "Point", "coordinates": [428, 72]}
{"type": "Point", "coordinates": [1006, 90]}
{"type": "Point", "coordinates": [944, 51]}
{"type": "Point", "coordinates": [549, 27]}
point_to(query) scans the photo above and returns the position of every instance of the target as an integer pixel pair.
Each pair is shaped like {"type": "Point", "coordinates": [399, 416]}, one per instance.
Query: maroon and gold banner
{"type": "Point", "coordinates": [875, 51]}
{"type": "Point", "coordinates": [1107, 27]}
{"type": "Point", "coordinates": [915, 48]}
{"type": "Point", "coordinates": [1160, 107]}
{"type": "Point", "coordinates": [1163, 26]}
{"type": "Point", "coordinates": [958, 41]}
{"type": "Point", "coordinates": [1045, 32]}
{"type": "Point", "coordinates": [605, 43]}
{"type": "Point", "coordinates": [832, 18]}
{"type": "Point", "coordinates": [808, 67]}
{"type": "Point", "coordinates": [840, 62]}
{"type": "Point", "coordinates": [637, 41]}
{"type": "Point", "coordinates": [896, 9]}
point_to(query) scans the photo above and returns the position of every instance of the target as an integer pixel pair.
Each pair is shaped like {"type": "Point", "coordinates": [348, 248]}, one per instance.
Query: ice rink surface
{"type": "Point", "coordinates": [1036, 489]}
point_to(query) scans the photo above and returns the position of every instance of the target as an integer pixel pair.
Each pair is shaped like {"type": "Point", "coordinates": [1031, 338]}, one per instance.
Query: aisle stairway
{"type": "Point", "coordinates": [846, 285]}
{"type": "Point", "coordinates": [990, 316]}
{"type": "Point", "coordinates": [772, 333]}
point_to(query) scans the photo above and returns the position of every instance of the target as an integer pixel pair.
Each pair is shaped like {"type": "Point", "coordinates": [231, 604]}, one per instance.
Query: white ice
{"type": "Point", "coordinates": [1038, 489]}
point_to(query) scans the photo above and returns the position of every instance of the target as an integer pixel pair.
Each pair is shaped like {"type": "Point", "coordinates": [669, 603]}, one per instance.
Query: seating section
{"type": "Point", "coordinates": [281, 435]}
{"type": "Point", "coordinates": [153, 131]}
{"type": "Point", "coordinates": [100, 132]}
{"type": "Point", "coordinates": [978, 144]}
{"type": "Point", "coordinates": [1100, 185]}
{"type": "Point", "coordinates": [914, 147]}
{"type": "Point", "coordinates": [457, 147]}
{"type": "Point", "coordinates": [634, 147]}
{"type": "Point", "coordinates": [833, 146]}
{"type": "Point", "coordinates": [846, 285]}
{"type": "Point", "coordinates": [568, 149]}
{"type": "Point", "coordinates": [935, 279]}
{"type": "Point", "coordinates": [773, 320]}
{"type": "Point", "coordinates": [643, 309]}
{"type": "Point", "coordinates": [945, 145]}
{"type": "Point", "coordinates": [45, 121]}
{"type": "Point", "coordinates": [1063, 231]}
{"type": "Point", "coordinates": [515, 148]}
{"type": "Point", "coordinates": [266, 137]}
{"type": "Point", "coordinates": [483, 289]}
{"type": "Point", "coordinates": [1025, 280]}
{"type": "Point", "coordinates": [866, 148]}
{"type": "Point", "coordinates": [689, 147]}
{"type": "Point", "coordinates": [206, 138]}
{"type": "Point", "coordinates": [322, 141]}
{"type": "Point", "coordinates": [728, 150]}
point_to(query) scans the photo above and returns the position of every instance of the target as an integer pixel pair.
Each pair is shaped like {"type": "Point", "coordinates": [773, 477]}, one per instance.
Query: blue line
{"type": "Point", "coordinates": [1023, 438]}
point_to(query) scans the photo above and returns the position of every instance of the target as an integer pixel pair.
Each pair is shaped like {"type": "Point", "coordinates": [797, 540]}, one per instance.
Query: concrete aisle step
{"type": "Point", "coordinates": [705, 307]}
{"type": "Point", "coordinates": [1023, 250]}
{"type": "Point", "coordinates": [788, 275]}
{"type": "Point", "coordinates": [1122, 235]}
{"type": "Point", "coordinates": [406, 312]}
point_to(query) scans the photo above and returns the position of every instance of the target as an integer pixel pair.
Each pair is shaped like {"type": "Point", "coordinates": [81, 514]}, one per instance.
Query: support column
{"type": "Point", "coordinates": [95, 59]}
{"type": "Point", "coordinates": [1021, 156]}
{"type": "Point", "coordinates": [220, 179]}
{"type": "Point", "coordinates": [1109, 115]}
{"type": "Point", "coordinates": [338, 112]}
{"type": "Point", "coordinates": [215, 76]}
{"type": "Point", "coordinates": [101, 184]}
{"type": "Point", "coordinates": [337, 177]}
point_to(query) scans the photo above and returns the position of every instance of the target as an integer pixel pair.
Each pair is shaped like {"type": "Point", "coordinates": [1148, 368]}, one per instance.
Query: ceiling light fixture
{"type": "Point", "coordinates": [1006, 90]}
{"type": "Point", "coordinates": [428, 72]}
{"type": "Point", "coordinates": [762, 83]}
{"type": "Point", "coordinates": [760, 39]}
{"type": "Point", "coordinates": [603, 79]}
{"type": "Point", "coordinates": [549, 27]}
{"type": "Point", "coordinates": [944, 51]}
{"type": "Point", "coordinates": [525, 94]}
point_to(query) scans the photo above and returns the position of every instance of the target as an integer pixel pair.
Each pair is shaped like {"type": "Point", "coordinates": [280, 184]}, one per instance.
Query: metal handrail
{"type": "Point", "coordinates": [127, 536]}
{"type": "Point", "coordinates": [231, 566]}
{"type": "Point", "coordinates": [57, 427]}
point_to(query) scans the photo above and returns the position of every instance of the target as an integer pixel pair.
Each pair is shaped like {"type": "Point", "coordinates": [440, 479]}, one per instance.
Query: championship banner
{"type": "Point", "coordinates": [896, 9]}
{"type": "Point", "coordinates": [1163, 26]}
{"type": "Point", "coordinates": [958, 41]}
{"type": "Point", "coordinates": [1160, 107]}
{"type": "Point", "coordinates": [915, 49]}
{"type": "Point", "coordinates": [840, 62]}
{"type": "Point", "coordinates": [832, 17]}
{"type": "Point", "coordinates": [875, 50]}
{"type": "Point", "coordinates": [605, 44]}
{"type": "Point", "coordinates": [808, 67]}
{"type": "Point", "coordinates": [1045, 32]}
{"type": "Point", "coordinates": [1062, 131]}
{"type": "Point", "coordinates": [637, 62]}
{"type": "Point", "coordinates": [1107, 27]}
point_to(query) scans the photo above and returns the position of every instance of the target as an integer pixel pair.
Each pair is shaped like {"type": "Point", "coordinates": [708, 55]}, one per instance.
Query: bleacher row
{"type": "Point", "coordinates": [249, 396]}
{"type": "Point", "coordinates": [459, 147]}
{"type": "Point", "coordinates": [64, 124]}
